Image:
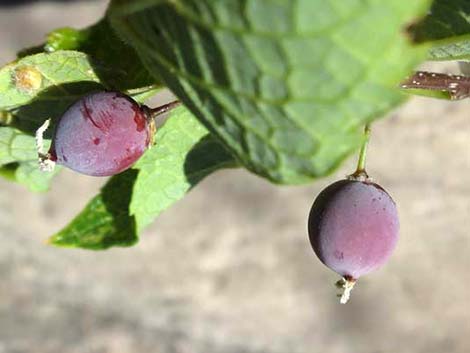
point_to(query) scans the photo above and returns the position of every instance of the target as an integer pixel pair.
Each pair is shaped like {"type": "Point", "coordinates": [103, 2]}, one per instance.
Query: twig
{"type": "Point", "coordinates": [458, 86]}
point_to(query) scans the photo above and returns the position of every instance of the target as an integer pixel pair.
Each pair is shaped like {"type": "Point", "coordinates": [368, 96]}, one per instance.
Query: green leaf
{"type": "Point", "coordinates": [286, 85]}
{"type": "Point", "coordinates": [105, 221]}
{"type": "Point", "coordinates": [26, 79]}
{"type": "Point", "coordinates": [447, 21]}
{"type": "Point", "coordinates": [42, 86]}
{"type": "Point", "coordinates": [184, 153]}
{"type": "Point", "coordinates": [15, 146]}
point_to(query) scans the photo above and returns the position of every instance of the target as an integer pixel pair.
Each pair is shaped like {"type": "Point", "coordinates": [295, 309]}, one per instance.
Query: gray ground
{"type": "Point", "coordinates": [229, 269]}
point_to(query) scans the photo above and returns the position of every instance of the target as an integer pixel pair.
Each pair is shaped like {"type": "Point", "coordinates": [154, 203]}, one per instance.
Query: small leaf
{"type": "Point", "coordinates": [286, 85]}
{"type": "Point", "coordinates": [67, 39]}
{"type": "Point", "coordinates": [105, 221]}
{"type": "Point", "coordinates": [184, 154]}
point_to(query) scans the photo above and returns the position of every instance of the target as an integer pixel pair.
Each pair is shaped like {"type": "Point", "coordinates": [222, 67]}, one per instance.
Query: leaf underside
{"type": "Point", "coordinates": [287, 86]}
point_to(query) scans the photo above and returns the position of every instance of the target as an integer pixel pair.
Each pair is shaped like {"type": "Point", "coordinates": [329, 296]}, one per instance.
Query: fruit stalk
{"type": "Point", "coordinates": [360, 173]}
{"type": "Point", "coordinates": [154, 112]}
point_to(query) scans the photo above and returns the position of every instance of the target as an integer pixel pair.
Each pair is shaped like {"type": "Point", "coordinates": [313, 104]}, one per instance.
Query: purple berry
{"type": "Point", "coordinates": [101, 134]}
{"type": "Point", "coordinates": [353, 228]}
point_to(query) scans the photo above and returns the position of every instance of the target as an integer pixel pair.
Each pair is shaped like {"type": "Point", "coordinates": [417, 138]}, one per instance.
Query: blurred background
{"type": "Point", "coordinates": [229, 268]}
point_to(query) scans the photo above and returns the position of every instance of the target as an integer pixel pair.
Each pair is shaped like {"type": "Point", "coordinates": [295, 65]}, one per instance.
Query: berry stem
{"type": "Point", "coordinates": [154, 112]}
{"type": "Point", "coordinates": [360, 172]}
{"type": "Point", "coordinates": [361, 163]}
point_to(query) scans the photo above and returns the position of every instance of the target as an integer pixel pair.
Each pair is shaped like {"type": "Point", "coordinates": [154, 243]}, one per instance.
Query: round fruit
{"type": "Point", "coordinates": [353, 228]}
{"type": "Point", "coordinates": [101, 134]}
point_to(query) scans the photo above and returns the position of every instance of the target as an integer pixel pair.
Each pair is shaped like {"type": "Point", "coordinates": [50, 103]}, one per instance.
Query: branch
{"type": "Point", "coordinates": [457, 86]}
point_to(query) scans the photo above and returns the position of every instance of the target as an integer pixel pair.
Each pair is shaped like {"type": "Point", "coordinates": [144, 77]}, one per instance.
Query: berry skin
{"type": "Point", "coordinates": [353, 228]}
{"type": "Point", "coordinates": [102, 134]}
